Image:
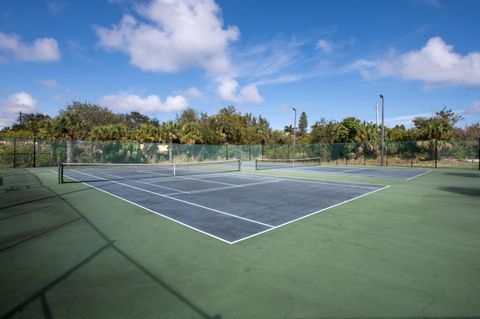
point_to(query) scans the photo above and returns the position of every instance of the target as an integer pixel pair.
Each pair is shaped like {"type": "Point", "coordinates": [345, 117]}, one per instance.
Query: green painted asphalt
{"type": "Point", "coordinates": [409, 251]}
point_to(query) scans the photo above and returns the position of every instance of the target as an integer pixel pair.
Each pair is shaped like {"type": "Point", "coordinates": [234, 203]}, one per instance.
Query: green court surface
{"type": "Point", "coordinates": [408, 251]}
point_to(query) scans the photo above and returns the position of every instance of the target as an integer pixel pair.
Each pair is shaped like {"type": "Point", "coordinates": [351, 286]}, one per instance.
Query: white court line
{"type": "Point", "coordinates": [342, 170]}
{"type": "Point", "coordinates": [182, 201]}
{"type": "Point", "coordinates": [346, 170]}
{"type": "Point", "coordinates": [418, 175]}
{"type": "Point", "coordinates": [346, 173]}
{"type": "Point", "coordinates": [347, 185]}
{"type": "Point", "coordinates": [354, 170]}
{"type": "Point", "coordinates": [315, 181]}
{"type": "Point", "coordinates": [247, 237]}
{"type": "Point", "coordinates": [150, 210]}
{"type": "Point", "coordinates": [206, 190]}
{"type": "Point", "coordinates": [308, 215]}
{"type": "Point", "coordinates": [159, 186]}
{"type": "Point", "coordinates": [204, 180]}
{"type": "Point", "coordinates": [147, 183]}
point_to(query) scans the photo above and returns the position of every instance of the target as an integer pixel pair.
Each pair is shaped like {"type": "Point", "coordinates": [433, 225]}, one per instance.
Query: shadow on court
{"type": "Point", "coordinates": [390, 255]}
{"type": "Point", "coordinates": [461, 174]}
{"type": "Point", "coordinates": [23, 294]}
{"type": "Point", "coordinates": [462, 190]}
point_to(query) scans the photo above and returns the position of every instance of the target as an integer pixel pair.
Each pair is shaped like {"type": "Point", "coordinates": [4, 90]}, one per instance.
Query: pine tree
{"type": "Point", "coordinates": [303, 123]}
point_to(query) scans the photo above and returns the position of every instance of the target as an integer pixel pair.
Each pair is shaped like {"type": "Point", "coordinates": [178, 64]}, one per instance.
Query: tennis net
{"type": "Point", "coordinates": [286, 163]}
{"type": "Point", "coordinates": [90, 172]}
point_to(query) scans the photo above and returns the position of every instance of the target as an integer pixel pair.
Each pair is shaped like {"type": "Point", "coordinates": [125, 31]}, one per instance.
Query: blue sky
{"type": "Point", "coordinates": [330, 59]}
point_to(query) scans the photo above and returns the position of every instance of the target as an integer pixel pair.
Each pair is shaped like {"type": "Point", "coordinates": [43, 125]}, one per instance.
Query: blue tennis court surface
{"type": "Point", "coordinates": [229, 206]}
{"type": "Point", "coordinates": [400, 173]}
{"type": "Point", "coordinates": [374, 172]}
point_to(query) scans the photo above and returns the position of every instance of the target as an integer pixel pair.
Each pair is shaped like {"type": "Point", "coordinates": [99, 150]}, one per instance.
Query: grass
{"type": "Point", "coordinates": [409, 251]}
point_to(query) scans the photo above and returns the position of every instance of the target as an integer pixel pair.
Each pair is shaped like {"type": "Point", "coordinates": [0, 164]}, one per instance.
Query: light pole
{"type": "Point", "coordinates": [383, 129]}
{"type": "Point", "coordinates": [294, 130]}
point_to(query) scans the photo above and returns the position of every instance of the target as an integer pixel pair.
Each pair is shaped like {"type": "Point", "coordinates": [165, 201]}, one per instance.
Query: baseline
{"type": "Point", "coordinates": [185, 202]}
{"type": "Point", "coordinates": [310, 214]}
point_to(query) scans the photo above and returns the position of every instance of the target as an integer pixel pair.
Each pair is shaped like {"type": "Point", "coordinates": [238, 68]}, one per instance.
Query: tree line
{"type": "Point", "coordinates": [85, 121]}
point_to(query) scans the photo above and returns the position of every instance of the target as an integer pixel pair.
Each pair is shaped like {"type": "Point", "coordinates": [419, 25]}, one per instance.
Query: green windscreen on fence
{"type": "Point", "coordinates": [45, 153]}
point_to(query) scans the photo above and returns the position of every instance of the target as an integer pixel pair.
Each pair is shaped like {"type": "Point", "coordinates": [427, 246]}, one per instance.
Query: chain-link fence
{"type": "Point", "coordinates": [432, 153]}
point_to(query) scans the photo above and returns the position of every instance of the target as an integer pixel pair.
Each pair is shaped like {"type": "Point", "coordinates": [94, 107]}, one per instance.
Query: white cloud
{"type": "Point", "coordinates": [288, 78]}
{"type": "Point", "coordinates": [270, 59]}
{"type": "Point", "coordinates": [229, 90]}
{"type": "Point", "coordinates": [18, 102]}
{"type": "Point", "coordinates": [175, 103]}
{"type": "Point", "coordinates": [51, 83]}
{"type": "Point", "coordinates": [327, 46]}
{"type": "Point", "coordinates": [405, 119]}
{"type": "Point", "coordinates": [172, 36]}
{"type": "Point", "coordinates": [150, 104]}
{"type": "Point", "coordinates": [41, 50]}
{"type": "Point", "coordinates": [324, 46]}
{"type": "Point", "coordinates": [473, 109]}
{"type": "Point", "coordinates": [249, 94]}
{"type": "Point", "coordinates": [436, 63]}
{"type": "Point", "coordinates": [193, 92]}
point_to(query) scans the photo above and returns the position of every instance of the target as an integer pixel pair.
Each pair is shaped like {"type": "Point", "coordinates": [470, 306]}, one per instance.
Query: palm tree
{"type": "Point", "coordinates": [169, 131]}
{"type": "Point", "coordinates": [70, 124]}
{"type": "Point", "coordinates": [288, 129]}
{"type": "Point", "coordinates": [191, 133]}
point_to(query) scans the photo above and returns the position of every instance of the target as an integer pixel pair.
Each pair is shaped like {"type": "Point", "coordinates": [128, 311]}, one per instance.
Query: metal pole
{"type": "Point", "coordinates": [34, 149]}
{"type": "Point", "coordinates": [383, 131]}
{"type": "Point", "coordinates": [294, 131]}
{"type": "Point", "coordinates": [14, 152]}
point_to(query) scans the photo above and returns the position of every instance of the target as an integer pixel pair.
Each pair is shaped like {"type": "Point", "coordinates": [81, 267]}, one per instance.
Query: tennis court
{"type": "Point", "coordinates": [215, 198]}
{"type": "Point", "coordinates": [314, 165]}
{"type": "Point", "coordinates": [71, 251]}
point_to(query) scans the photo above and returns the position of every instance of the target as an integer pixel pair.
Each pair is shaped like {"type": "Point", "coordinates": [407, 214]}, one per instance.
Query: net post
{"type": "Point", "coordinates": [479, 154]}
{"type": "Point", "coordinates": [364, 156]}
{"type": "Point", "coordinates": [34, 149]}
{"type": "Point", "coordinates": [14, 152]}
{"type": "Point", "coordinates": [385, 150]}
{"type": "Point", "coordinates": [60, 173]}
{"type": "Point", "coordinates": [256, 164]}
{"type": "Point", "coordinates": [239, 165]}
{"type": "Point", "coordinates": [174, 169]}
{"type": "Point", "coordinates": [436, 152]}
